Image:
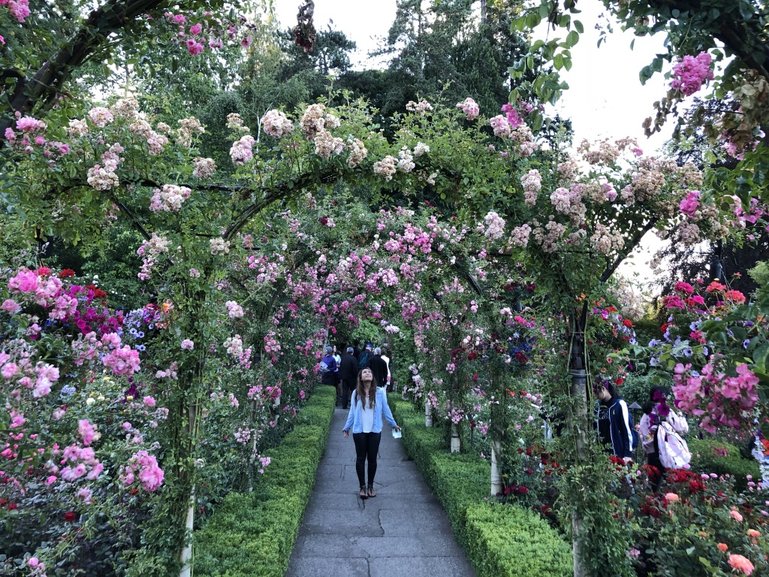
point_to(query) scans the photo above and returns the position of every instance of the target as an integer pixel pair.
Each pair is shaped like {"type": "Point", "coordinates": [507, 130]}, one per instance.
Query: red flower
{"type": "Point", "coordinates": [45, 271]}
{"type": "Point", "coordinates": [70, 516]}
{"type": "Point", "coordinates": [66, 273]}
{"type": "Point", "coordinates": [628, 323]}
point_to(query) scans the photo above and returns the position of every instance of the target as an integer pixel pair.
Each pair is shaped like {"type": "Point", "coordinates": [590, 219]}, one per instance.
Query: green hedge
{"type": "Point", "coordinates": [711, 456]}
{"type": "Point", "coordinates": [500, 540]}
{"type": "Point", "coordinates": [252, 534]}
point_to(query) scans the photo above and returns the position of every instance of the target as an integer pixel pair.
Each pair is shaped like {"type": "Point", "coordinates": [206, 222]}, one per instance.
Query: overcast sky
{"type": "Point", "coordinates": [605, 98]}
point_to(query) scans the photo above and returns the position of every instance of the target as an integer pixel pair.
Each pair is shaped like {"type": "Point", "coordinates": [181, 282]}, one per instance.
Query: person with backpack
{"type": "Point", "coordinates": [365, 357]}
{"type": "Point", "coordinates": [661, 429]}
{"type": "Point", "coordinates": [369, 406]}
{"type": "Point", "coordinates": [615, 423]}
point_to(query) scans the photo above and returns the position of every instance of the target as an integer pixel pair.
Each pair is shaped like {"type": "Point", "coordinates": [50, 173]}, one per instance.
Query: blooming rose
{"type": "Point", "coordinates": [741, 563]}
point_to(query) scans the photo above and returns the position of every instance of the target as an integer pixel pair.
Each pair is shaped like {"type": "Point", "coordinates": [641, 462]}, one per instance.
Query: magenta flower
{"type": "Point", "coordinates": [691, 73]}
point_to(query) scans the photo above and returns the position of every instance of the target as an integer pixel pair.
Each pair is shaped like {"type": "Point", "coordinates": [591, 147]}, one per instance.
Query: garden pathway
{"type": "Point", "coordinates": [402, 532]}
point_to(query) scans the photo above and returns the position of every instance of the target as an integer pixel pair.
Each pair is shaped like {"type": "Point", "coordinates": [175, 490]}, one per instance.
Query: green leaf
{"type": "Point", "coordinates": [558, 61]}
{"type": "Point", "coordinates": [579, 27]}
{"type": "Point", "coordinates": [646, 73]}
{"type": "Point", "coordinates": [572, 38]}
{"type": "Point", "coordinates": [761, 357]}
{"type": "Point", "coordinates": [746, 10]}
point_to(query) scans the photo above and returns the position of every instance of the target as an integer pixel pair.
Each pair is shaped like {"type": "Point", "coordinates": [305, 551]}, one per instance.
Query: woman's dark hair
{"type": "Point", "coordinates": [611, 388]}
{"type": "Point", "coordinates": [361, 393]}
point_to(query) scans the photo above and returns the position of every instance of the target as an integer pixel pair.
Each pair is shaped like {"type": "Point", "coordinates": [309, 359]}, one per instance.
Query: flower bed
{"type": "Point", "coordinates": [497, 537]}
{"type": "Point", "coordinates": [254, 533]}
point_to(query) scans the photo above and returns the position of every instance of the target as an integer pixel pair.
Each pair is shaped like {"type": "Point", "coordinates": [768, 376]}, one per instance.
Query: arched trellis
{"type": "Point", "coordinates": [436, 154]}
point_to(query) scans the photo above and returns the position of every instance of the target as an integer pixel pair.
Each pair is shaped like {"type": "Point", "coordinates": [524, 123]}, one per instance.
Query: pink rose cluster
{"type": "Point", "coordinates": [276, 123]}
{"type": "Point", "coordinates": [690, 203]}
{"type": "Point", "coordinates": [242, 150]}
{"type": "Point", "coordinates": [195, 39]}
{"type": "Point", "coordinates": [169, 198]}
{"type": "Point", "coordinates": [721, 400]}
{"type": "Point", "coordinates": [19, 9]}
{"type": "Point", "coordinates": [470, 108]}
{"type": "Point", "coordinates": [691, 73]}
{"type": "Point", "coordinates": [31, 134]}
{"type": "Point", "coordinates": [146, 467]}
{"type": "Point", "coordinates": [234, 310]}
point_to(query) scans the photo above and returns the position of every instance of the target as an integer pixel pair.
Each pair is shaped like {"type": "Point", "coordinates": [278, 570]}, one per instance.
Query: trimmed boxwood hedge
{"type": "Point", "coordinates": [501, 540]}
{"type": "Point", "coordinates": [711, 456]}
{"type": "Point", "coordinates": [252, 534]}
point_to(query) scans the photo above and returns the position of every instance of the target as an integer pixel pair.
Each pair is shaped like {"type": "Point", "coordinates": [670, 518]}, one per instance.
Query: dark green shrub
{"type": "Point", "coordinates": [497, 534]}
{"type": "Point", "coordinates": [711, 456]}
{"type": "Point", "coordinates": [500, 540]}
{"type": "Point", "coordinates": [252, 534]}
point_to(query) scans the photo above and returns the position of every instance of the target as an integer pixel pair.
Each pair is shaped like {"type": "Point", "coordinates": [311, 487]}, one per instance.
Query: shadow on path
{"type": "Point", "coordinates": [402, 532]}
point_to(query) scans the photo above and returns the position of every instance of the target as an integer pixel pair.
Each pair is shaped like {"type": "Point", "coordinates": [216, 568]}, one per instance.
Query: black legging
{"type": "Point", "coordinates": [366, 447]}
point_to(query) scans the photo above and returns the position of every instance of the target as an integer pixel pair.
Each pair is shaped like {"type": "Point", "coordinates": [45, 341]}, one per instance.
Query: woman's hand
{"type": "Point", "coordinates": [346, 433]}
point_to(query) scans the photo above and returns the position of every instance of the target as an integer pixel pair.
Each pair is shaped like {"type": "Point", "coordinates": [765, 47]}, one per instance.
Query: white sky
{"type": "Point", "coordinates": [605, 97]}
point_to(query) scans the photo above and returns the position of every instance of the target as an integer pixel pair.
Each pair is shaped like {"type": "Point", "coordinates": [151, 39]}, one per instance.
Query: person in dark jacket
{"type": "Point", "coordinates": [329, 370]}
{"type": "Point", "coordinates": [614, 423]}
{"type": "Point", "coordinates": [378, 366]}
{"type": "Point", "coordinates": [365, 357]}
{"type": "Point", "coordinates": [348, 375]}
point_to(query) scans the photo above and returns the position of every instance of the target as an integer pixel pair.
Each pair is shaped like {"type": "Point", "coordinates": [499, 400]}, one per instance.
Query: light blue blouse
{"type": "Point", "coordinates": [355, 416]}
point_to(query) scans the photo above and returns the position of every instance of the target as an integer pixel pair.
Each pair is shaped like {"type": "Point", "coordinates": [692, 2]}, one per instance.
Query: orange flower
{"type": "Point", "coordinates": [723, 547]}
{"type": "Point", "coordinates": [741, 563]}
{"type": "Point", "coordinates": [753, 534]}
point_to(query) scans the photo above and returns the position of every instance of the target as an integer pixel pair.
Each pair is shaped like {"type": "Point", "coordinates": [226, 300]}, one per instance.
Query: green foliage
{"type": "Point", "coordinates": [496, 537]}
{"type": "Point", "coordinates": [714, 456]}
{"type": "Point", "coordinates": [602, 535]}
{"type": "Point", "coordinates": [253, 534]}
{"type": "Point", "coordinates": [497, 533]}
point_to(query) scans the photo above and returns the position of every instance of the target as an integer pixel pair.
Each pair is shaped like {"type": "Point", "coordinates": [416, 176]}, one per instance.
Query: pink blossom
{"type": "Point", "coordinates": [741, 563]}
{"type": "Point", "coordinates": [691, 73]}
{"type": "Point", "coordinates": [122, 361]}
{"type": "Point", "coordinates": [9, 370]}
{"type": "Point", "coordinates": [25, 281]}
{"type": "Point", "coordinates": [150, 474]}
{"type": "Point", "coordinates": [29, 124]}
{"type": "Point", "coordinates": [149, 401]}
{"type": "Point", "coordinates": [470, 108]}
{"type": "Point", "coordinates": [187, 345]}
{"type": "Point", "coordinates": [17, 419]}
{"type": "Point", "coordinates": [194, 47]}
{"type": "Point", "coordinates": [87, 431]}
{"type": "Point", "coordinates": [690, 203]}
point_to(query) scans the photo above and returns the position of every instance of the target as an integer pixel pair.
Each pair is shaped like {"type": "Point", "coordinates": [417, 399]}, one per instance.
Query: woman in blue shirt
{"type": "Point", "coordinates": [369, 404]}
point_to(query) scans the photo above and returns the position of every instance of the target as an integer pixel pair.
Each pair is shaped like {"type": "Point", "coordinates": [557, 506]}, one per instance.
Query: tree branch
{"type": "Point", "coordinates": [41, 89]}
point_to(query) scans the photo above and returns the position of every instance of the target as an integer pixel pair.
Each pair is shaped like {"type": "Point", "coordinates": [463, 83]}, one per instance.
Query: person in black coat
{"type": "Point", "coordinates": [378, 366]}
{"type": "Point", "coordinates": [348, 375]}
